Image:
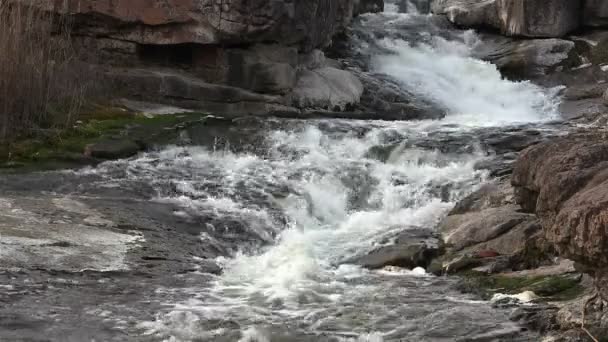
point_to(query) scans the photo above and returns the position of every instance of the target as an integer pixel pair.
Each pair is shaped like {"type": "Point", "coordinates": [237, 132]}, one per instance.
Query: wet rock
{"type": "Point", "coordinates": [491, 195]}
{"type": "Point", "coordinates": [207, 22]}
{"type": "Point", "coordinates": [327, 88]}
{"type": "Point", "coordinates": [565, 182]}
{"type": "Point", "coordinates": [412, 248]}
{"type": "Point", "coordinates": [386, 97]}
{"type": "Point", "coordinates": [112, 149]}
{"type": "Point", "coordinates": [525, 59]}
{"type": "Point", "coordinates": [463, 230]}
{"type": "Point", "coordinates": [541, 318]}
{"type": "Point", "coordinates": [529, 18]}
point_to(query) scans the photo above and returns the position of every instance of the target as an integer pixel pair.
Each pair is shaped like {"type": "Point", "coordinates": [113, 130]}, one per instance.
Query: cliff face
{"type": "Point", "coordinates": [245, 56]}
{"type": "Point", "coordinates": [308, 24]}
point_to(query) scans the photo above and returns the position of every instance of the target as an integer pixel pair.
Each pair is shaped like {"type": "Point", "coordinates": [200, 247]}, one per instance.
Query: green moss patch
{"type": "Point", "coordinates": [554, 287]}
{"type": "Point", "coordinates": [52, 149]}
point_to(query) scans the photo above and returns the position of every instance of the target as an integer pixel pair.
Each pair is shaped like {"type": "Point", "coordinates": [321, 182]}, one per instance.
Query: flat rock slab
{"type": "Point", "coordinates": [60, 234]}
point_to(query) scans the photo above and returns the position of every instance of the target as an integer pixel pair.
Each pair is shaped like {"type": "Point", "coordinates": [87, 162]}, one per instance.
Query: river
{"type": "Point", "coordinates": [282, 204]}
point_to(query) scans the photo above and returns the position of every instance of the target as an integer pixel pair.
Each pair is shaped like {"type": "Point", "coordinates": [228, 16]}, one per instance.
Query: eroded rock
{"type": "Point", "coordinates": [565, 182]}
{"type": "Point", "coordinates": [528, 18]}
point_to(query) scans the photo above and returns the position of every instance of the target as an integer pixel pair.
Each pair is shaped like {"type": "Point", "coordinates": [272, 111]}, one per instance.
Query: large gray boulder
{"type": "Point", "coordinates": [463, 230]}
{"type": "Point", "coordinates": [528, 18]}
{"type": "Point", "coordinates": [525, 59]}
{"type": "Point", "coordinates": [327, 88]}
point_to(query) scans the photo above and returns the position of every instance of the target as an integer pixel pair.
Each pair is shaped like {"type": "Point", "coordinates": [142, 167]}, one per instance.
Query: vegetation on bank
{"type": "Point", "coordinates": [42, 86]}
{"type": "Point", "coordinates": [552, 287]}
{"type": "Point", "coordinates": [128, 132]}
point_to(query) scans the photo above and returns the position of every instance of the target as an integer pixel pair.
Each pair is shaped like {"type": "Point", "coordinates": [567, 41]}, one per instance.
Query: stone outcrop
{"type": "Point", "coordinates": [528, 18]}
{"type": "Point", "coordinates": [309, 23]}
{"type": "Point", "coordinates": [487, 231]}
{"type": "Point", "coordinates": [248, 56]}
{"type": "Point", "coordinates": [565, 182]}
{"type": "Point", "coordinates": [525, 59]}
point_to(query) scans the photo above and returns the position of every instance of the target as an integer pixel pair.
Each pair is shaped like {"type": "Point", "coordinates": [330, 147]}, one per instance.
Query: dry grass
{"type": "Point", "coordinates": [40, 87]}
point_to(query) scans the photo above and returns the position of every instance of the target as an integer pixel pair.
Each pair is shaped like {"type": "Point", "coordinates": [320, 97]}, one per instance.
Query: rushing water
{"type": "Point", "coordinates": [286, 209]}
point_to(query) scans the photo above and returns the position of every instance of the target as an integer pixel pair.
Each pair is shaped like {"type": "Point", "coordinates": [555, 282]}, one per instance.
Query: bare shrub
{"type": "Point", "coordinates": [39, 85]}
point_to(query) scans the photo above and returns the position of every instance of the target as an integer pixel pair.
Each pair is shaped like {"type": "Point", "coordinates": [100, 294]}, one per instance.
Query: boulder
{"type": "Point", "coordinates": [464, 230]}
{"type": "Point", "coordinates": [413, 248]}
{"type": "Point", "coordinates": [525, 59]}
{"type": "Point", "coordinates": [528, 18]}
{"type": "Point", "coordinates": [326, 88]}
{"type": "Point", "coordinates": [565, 181]}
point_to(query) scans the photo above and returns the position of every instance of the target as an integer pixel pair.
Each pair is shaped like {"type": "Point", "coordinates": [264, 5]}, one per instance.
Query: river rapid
{"type": "Point", "coordinates": [280, 204]}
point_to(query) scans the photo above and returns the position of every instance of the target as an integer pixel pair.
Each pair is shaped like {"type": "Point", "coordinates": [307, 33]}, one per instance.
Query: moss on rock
{"type": "Point", "coordinates": [52, 149]}
{"type": "Point", "coordinates": [553, 287]}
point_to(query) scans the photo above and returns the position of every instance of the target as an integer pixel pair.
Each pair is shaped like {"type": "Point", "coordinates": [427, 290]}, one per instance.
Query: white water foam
{"type": "Point", "coordinates": [473, 91]}
{"type": "Point", "coordinates": [299, 277]}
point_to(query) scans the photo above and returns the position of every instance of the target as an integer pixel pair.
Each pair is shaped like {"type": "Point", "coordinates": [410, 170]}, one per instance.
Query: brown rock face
{"type": "Point", "coordinates": [307, 23]}
{"type": "Point", "coordinates": [565, 181]}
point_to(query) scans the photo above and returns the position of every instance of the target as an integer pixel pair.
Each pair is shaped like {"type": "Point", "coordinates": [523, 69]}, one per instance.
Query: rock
{"type": "Point", "coordinates": [491, 195]}
{"type": "Point", "coordinates": [369, 6]}
{"type": "Point", "coordinates": [525, 59]}
{"type": "Point", "coordinates": [605, 97]}
{"type": "Point", "coordinates": [595, 13]}
{"type": "Point", "coordinates": [488, 253]}
{"type": "Point", "coordinates": [528, 18]}
{"type": "Point", "coordinates": [327, 88]}
{"type": "Point", "coordinates": [413, 248]}
{"type": "Point", "coordinates": [112, 149]}
{"type": "Point", "coordinates": [262, 68]}
{"type": "Point", "coordinates": [463, 230]}
{"type": "Point", "coordinates": [592, 46]}
{"type": "Point", "coordinates": [307, 23]}
{"type": "Point", "coordinates": [179, 89]}
{"type": "Point", "coordinates": [386, 97]}
{"type": "Point", "coordinates": [566, 183]}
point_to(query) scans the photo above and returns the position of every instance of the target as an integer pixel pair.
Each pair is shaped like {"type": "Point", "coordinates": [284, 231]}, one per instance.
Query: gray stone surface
{"type": "Point", "coordinates": [528, 18]}
{"type": "Point", "coordinates": [327, 88]}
